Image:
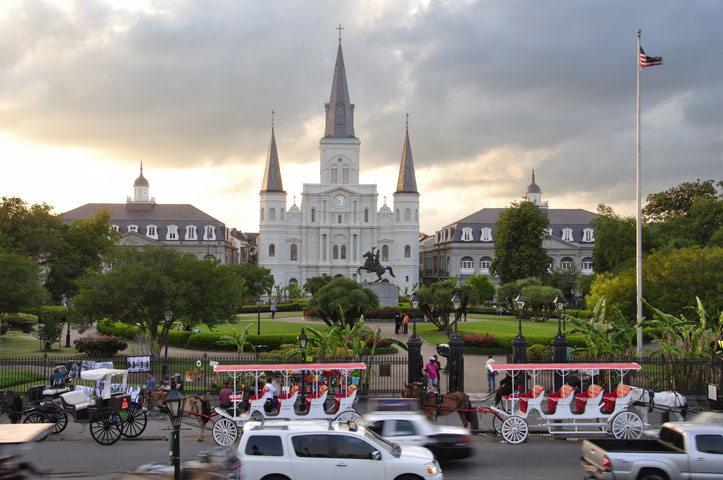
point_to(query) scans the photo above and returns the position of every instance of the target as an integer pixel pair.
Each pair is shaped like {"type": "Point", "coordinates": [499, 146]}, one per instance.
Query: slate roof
{"type": "Point", "coordinates": [407, 181]}
{"type": "Point", "coordinates": [272, 173]}
{"type": "Point", "coordinates": [339, 94]}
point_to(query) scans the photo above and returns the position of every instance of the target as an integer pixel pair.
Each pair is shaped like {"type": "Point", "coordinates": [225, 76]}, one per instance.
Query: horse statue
{"type": "Point", "coordinates": [442, 404]}
{"type": "Point", "coordinates": [372, 265]}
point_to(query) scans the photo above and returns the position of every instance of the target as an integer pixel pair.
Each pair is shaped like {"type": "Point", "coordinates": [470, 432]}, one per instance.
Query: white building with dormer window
{"type": "Point", "coordinates": [466, 247]}
{"type": "Point", "coordinates": [339, 219]}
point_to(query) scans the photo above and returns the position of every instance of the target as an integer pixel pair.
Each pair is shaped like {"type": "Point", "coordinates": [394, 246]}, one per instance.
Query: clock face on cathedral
{"type": "Point", "coordinates": [339, 201]}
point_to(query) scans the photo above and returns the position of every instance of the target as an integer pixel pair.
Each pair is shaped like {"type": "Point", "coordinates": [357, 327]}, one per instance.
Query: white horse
{"type": "Point", "coordinates": [667, 402]}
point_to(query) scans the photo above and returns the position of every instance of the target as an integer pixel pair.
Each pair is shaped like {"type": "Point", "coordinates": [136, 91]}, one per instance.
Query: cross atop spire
{"type": "Point", "coordinates": [407, 120]}
{"type": "Point", "coordinates": [340, 28]}
{"type": "Point", "coordinates": [272, 118]}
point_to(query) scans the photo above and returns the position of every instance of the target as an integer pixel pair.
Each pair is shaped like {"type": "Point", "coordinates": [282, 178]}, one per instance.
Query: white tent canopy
{"type": "Point", "coordinates": [105, 375]}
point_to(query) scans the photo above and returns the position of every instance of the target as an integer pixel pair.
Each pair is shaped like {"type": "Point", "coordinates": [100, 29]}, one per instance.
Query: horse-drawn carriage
{"type": "Point", "coordinates": [110, 415]}
{"type": "Point", "coordinates": [245, 408]}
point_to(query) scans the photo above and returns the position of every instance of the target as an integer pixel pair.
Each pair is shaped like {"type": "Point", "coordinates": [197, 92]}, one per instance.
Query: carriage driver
{"type": "Point", "coordinates": [56, 378]}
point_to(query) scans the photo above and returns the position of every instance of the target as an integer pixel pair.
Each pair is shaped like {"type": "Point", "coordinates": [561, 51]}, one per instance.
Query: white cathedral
{"type": "Point", "coordinates": [339, 220]}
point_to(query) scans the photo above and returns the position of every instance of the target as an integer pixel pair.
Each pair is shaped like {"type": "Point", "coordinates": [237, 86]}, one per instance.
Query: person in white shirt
{"type": "Point", "coordinates": [491, 376]}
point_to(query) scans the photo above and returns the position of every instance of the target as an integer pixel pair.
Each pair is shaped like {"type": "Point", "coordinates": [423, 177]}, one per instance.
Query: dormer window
{"type": "Point", "coordinates": [152, 232]}
{"type": "Point", "coordinates": [133, 228]}
{"type": "Point", "coordinates": [549, 232]}
{"type": "Point", "coordinates": [567, 234]}
{"type": "Point", "coordinates": [466, 234]}
{"type": "Point", "coordinates": [191, 232]}
{"type": "Point", "coordinates": [115, 227]}
{"type": "Point", "coordinates": [588, 235]}
{"type": "Point", "coordinates": [486, 235]}
{"type": "Point", "coordinates": [172, 233]}
{"type": "Point", "coordinates": [209, 233]}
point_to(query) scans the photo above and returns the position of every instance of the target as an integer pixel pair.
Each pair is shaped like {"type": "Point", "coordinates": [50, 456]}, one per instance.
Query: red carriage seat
{"type": "Point", "coordinates": [263, 392]}
{"type": "Point", "coordinates": [321, 394]}
{"type": "Point", "coordinates": [535, 394]}
{"type": "Point", "coordinates": [593, 393]}
{"type": "Point", "coordinates": [349, 392]}
{"type": "Point", "coordinates": [611, 398]}
{"type": "Point", "coordinates": [289, 396]}
{"type": "Point", "coordinates": [552, 399]}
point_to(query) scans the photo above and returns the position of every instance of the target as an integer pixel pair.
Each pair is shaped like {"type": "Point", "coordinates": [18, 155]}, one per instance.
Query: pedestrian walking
{"type": "Point", "coordinates": [273, 310]}
{"type": "Point", "coordinates": [397, 322]}
{"type": "Point", "coordinates": [432, 373]}
{"type": "Point", "coordinates": [405, 321]}
{"type": "Point", "coordinates": [491, 376]}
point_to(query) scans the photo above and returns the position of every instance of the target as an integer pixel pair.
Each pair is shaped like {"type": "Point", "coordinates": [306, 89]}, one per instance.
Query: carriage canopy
{"type": "Point", "coordinates": [501, 367]}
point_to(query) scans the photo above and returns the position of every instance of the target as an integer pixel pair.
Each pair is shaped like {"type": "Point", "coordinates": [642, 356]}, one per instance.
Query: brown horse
{"type": "Point", "coordinates": [12, 404]}
{"type": "Point", "coordinates": [434, 405]}
{"type": "Point", "coordinates": [200, 408]}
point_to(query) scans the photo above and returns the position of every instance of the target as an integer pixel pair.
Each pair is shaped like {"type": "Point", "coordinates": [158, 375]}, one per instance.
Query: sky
{"type": "Point", "coordinates": [493, 89]}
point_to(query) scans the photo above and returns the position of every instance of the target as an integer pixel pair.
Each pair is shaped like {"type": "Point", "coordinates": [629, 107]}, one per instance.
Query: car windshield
{"type": "Point", "coordinates": [392, 448]}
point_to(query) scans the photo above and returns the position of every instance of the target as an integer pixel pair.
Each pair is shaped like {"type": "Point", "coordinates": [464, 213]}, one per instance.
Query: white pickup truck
{"type": "Point", "coordinates": [682, 451]}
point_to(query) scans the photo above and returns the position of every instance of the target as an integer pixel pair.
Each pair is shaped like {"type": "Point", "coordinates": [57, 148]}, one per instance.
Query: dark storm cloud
{"type": "Point", "coordinates": [552, 83]}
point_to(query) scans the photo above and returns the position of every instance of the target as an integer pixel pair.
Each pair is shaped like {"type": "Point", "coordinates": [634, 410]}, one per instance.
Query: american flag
{"type": "Point", "coordinates": [646, 61]}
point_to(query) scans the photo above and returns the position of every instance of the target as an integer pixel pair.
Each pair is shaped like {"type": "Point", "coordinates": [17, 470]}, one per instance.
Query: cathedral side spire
{"type": "Point", "coordinates": [339, 110]}
{"type": "Point", "coordinates": [407, 181]}
{"type": "Point", "coordinates": [272, 173]}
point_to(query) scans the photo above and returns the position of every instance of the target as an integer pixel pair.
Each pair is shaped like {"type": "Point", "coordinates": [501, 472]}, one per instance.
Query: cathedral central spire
{"type": "Point", "coordinates": [339, 110]}
{"type": "Point", "coordinates": [272, 173]}
{"type": "Point", "coordinates": [407, 181]}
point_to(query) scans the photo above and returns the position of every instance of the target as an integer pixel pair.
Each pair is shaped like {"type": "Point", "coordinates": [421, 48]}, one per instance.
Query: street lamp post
{"type": "Point", "coordinates": [169, 319]}
{"type": "Point", "coordinates": [414, 346]}
{"type": "Point", "coordinates": [174, 409]}
{"type": "Point", "coordinates": [67, 319]}
{"type": "Point", "coordinates": [559, 343]}
{"type": "Point", "coordinates": [456, 360]}
{"type": "Point", "coordinates": [303, 340]}
{"type": "Point", "coordinates": [519, 343]}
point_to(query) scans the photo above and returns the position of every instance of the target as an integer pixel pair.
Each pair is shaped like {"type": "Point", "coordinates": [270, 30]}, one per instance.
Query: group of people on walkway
{"type": "Point", "coordinates": [401, 323]}
{"type": "Point", "coordinates": [154, 394]}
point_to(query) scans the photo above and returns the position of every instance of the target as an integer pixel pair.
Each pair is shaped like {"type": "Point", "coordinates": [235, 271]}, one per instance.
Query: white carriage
{"type": "Point", "coordinates": [226, 429]}
{"type": "Point", "coordinates": [593, 411]}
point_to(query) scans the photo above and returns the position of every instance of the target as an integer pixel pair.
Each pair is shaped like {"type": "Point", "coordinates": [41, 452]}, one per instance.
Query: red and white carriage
{"type": "Point", "coordinates": [226, 429]}
{"type": "Point", "coordinates": [594, 411]}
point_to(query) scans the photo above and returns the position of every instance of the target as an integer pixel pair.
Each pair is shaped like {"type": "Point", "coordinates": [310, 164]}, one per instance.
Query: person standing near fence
{"type": "Point", "coordinates": [405, 321]}
{"type": "Point", "coordinates": [432, 373]}
{"type": "Point", "coordinates": [491, 376]}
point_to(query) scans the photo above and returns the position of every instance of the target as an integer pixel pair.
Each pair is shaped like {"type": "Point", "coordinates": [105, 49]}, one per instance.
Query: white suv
{"type": "Point", "coordinates": [310, 450]}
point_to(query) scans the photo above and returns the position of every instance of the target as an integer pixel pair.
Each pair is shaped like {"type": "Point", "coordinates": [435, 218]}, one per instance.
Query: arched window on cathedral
{"type": "Point", "coordinates": [339, 114]}
{"type": "Point", "coordinates": [334, 175]}
{"type": "Point", "coordinates": [339, 220]}
{"type": "Point", "coordinates": [407, 251]}
{"type": "Point", "coordinates": [272, 214]}
{"type": "Point", "coordinates": [366, 215]}
{"type": "Point", "coordinates": [335, 252]}
{"type": "Point", "coordinates": [343, 252]}
{"type": "Point", "coordinates": [281, 214]}
{"type": "Point", "coordinates": [397, 215]}
{"type": "Point", "coordinates": [272, 250]}
{"type": "Point", "coordinates": [345, 175]}
{"type": "Point", "coordinates": [313, 215]}
{"type": "Point", "coordinates": [385, 253]}
{"type": "Point", "coordinates": [293, 255]}
{"type": "Point", "coordinates": [416, 215]}
{"type": "Point", "coordinates": [262, 214]}
{"type": "Point", "coordinates": [407, 215]}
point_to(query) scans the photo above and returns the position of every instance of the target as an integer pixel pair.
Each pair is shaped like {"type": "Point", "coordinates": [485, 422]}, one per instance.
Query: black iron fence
{"type": "Point", "coordinates": [690, 377]}
{"type": "Point", "coordinates": [385, 375]}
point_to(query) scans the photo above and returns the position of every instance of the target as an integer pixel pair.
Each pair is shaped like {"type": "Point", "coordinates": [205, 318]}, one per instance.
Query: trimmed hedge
{"type": "Point", "coordinates": [209, 341]}
{"type": "Point", "coordinates": [505, 341]}
{"type": "Point", "coordinates": [280, 307]}
{"type": "Point", "coordinates": [387, 313]}
{"type": "Point", "coordinates": [15, 320]}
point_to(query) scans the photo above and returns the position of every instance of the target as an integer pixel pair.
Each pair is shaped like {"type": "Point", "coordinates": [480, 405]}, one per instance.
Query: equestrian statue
{"type": "Point", "coordinates": [372, 265]}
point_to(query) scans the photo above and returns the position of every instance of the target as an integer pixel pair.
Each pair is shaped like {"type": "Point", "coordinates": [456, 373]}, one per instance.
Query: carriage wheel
{"type": "Point", "coordinates": [106, 426]}
{"type": "Point", "coordinates": [257, 415]}
{"type": "Point", "coordinates": [35, 417]}
{"type": "Point", "coordinates": [136, 421]}
{"type": "Point", "coordinates": [225, 432]}
{"type": "Point", "coordinates": [58, 417]}
{"type": "Point", "coordinates": [347, 416]}
{"type": "Point", "coordinates": [626, 425]}
{"type": "Point", "coordinates": [514, 429]}
{"type": "Point", "coordinates": [497, 424]}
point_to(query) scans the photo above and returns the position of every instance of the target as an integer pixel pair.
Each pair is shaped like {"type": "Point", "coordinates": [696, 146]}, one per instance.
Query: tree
{"type": "Point", "coordinates": [539, 299]}
{"type": "Point", "coordinates": [313, 284]}
{"type": "Point", "coordinates": [614, 240]}
{"type": "Point", "coordinates": [518, 240]}
{"type": "Point", "coordinates": [435, 301]}
{"type": "Point", "coordinates": [483, 286]}
{"type": "Point", "coordinates": [257, 281]}
{"type": "Point", "coordinates": [566, 281]}
{"type": "Point", "coordinates": [81, 247]}
{"type": "Point", "coordinates": [33, 230]}
{"type": "Point", "coordinates": [671, 280]}
{"type": "Point", "coordinates": [678, 201]}
{"type": "Point", "coordinates": [19, 284]}
{"type": "Point", "coordinates": [342, 301]}
{"type": "Point", "coordinates": [237, 339]}
{"type": "Point", "coordinates": [507, 293]}
{"type": "Point", "coordinates": [607, 333]}
{"type": "Point", "coordinates": [142, 283]}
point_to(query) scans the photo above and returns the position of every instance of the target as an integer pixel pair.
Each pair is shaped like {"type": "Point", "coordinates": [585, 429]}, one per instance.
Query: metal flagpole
{"type": "Point", "coordinates": [639, 225]}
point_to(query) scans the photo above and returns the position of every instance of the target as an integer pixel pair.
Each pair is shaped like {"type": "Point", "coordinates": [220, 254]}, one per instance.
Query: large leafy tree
{"type": "Point", "coordinates": [518, 240]}
{"type": "Point", "coordinates": [483, 287]}
{"type": "Point", "coordinates": [81, 247]}
{"type": "Point", "coordinates": [19, 285]}
{"type": "Point", "coordinates": [435, 301]}
{"type": "Point", "coordinates": [679, 200]}
{"type": "Point", "coordinates": [671, 281]}
{"type": "Point", "coordinates": [141, 284]}
{"type": "Point", "coordinates": [33, 230]}
{"type": "Point", "coordinates": [566, 281]}
{"type": "Point", "coordinates": [342, 302]}
{"type": "Point", "coordinates": [258, 281]}
{"type": "Point", "coordinates": [614, 240]}
{"type": "Point", "coordinates": [313, 284]}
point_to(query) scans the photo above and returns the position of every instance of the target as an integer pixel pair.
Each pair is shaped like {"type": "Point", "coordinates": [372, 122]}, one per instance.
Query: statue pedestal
{"type": "Point", "coordinates": [387, 293]}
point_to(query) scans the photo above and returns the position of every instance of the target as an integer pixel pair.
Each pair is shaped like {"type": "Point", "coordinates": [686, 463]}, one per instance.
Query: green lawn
{"type": "Point", "coordinates": [15, 343]}
{"type": "Point", "coordinates": [267, 315]}
{"type": "Point", "coordinates": [494, 325]}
